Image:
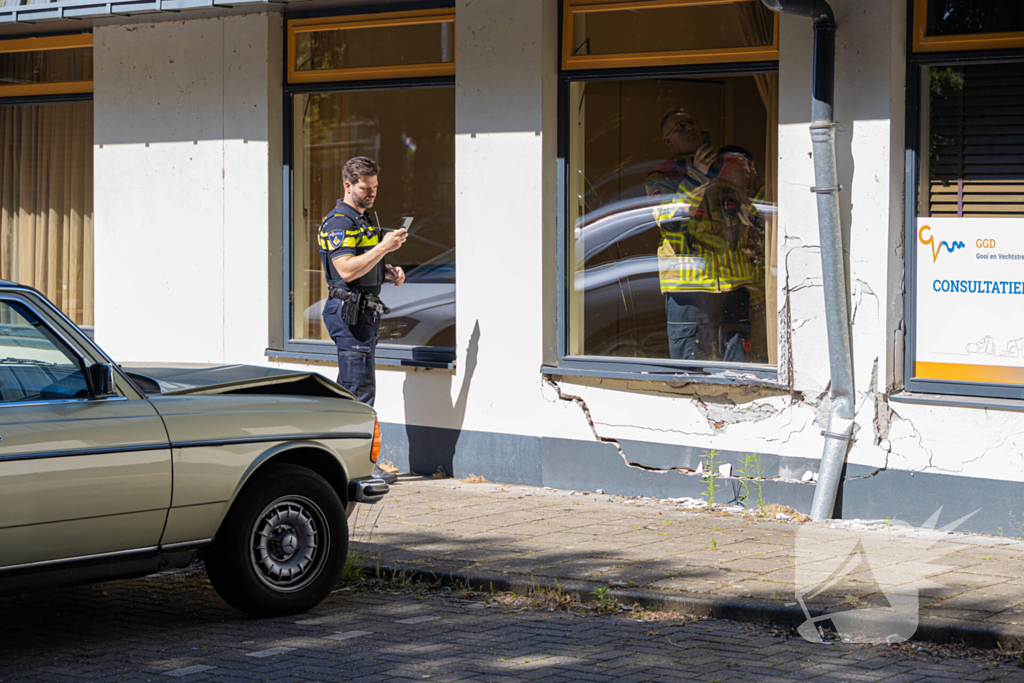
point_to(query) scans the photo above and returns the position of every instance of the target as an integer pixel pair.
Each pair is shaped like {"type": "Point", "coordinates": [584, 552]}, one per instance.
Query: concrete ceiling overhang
{"type": "Point", "coordinates": [79, 15]}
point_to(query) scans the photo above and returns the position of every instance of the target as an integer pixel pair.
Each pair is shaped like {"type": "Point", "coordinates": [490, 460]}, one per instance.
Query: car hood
{"type": "Point", "coordinates": [180, 379]}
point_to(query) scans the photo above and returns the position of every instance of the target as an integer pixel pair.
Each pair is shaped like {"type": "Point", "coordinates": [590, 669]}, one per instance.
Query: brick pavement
{"type": "Point", "coordinates": [174, 627]}
{"type": "Point", "coordinates": [544, 535]}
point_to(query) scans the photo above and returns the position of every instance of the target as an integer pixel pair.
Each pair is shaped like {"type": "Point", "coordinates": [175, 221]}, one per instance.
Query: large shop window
{"type": "Point", "coordinates": [967, 264]}
{"type": "Point", "coordinates": [46, 192]}
{"type": "Point", "coordinates": [671, 237]}
{"type": "Point", "coordinates": [408, 126]}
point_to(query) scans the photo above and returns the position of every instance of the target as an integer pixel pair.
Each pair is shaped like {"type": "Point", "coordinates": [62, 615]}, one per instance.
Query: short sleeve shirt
{"type": "Point", "coordinates": [345, 231]}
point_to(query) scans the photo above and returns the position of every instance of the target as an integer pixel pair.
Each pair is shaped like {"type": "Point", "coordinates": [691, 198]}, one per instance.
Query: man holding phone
{"type": "Point", "coordinates": [676, 188]}
{"type": "Point", "coordinates": [352, 251]}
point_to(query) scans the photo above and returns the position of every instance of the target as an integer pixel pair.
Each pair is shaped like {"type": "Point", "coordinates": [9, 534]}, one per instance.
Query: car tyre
{"type": "Point", "coordinates": [283, 544]}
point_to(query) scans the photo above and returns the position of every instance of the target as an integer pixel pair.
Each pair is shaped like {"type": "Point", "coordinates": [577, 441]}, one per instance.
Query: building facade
{"type": "Point", "coordinates": [166, 167]}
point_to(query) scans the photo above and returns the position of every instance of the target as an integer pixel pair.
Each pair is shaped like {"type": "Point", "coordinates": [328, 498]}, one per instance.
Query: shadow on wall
{"type": "Point", "coordinates": [431, 449]}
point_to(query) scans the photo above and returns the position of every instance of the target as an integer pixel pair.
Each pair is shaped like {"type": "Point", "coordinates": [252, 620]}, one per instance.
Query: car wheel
{"type": "Point", "coordinates": [283, 544]}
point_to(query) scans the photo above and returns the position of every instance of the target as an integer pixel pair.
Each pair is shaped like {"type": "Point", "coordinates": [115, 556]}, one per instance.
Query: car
{"type": "Point", "coordinates": [109, 471]}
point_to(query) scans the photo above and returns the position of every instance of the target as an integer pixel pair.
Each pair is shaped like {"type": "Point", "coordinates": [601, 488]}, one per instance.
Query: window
{"type": "Point", "coordinates": [966, 226]}
{"type": "Point", "coordinates": [611, 33]}
{"type": "Point", "coordinates": [46, 213]}
{"type": "Point", "coordinates": [408, 127]}
{"type": "Point", "coordinates": [34, 365]}
{"type": "Point", "coordinates": [670, 189]}
{"type": "Point", "coordinates": [969, 240]}
{"type": "Point", "coordinates": [946, 25]}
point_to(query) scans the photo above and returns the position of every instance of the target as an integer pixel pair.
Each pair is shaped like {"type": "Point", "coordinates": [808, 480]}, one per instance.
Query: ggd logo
{"type": "Point", "coordinates": [937, 248]}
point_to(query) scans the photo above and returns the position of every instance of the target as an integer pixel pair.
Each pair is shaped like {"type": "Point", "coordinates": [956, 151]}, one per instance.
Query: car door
{"type": "Point", "coordinates": [79, 475]}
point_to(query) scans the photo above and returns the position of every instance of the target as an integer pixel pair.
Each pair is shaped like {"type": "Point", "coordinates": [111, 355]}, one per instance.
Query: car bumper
{"type": "Point", "coordinates": [368, 490]}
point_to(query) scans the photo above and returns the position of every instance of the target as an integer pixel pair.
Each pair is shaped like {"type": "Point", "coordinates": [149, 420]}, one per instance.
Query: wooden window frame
{"type": "Point", "coordinates": [38, 45]}
{"type": "Point", "coordinates": [347, 23]}
{"type": "Point", "coordinates": [924, 43]}
{"type": "Point", "coordinates": [570, 62]}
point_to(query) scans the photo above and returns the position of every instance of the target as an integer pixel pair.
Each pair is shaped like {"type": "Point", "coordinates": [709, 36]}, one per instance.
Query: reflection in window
{"type": "Point", "coordinates": [669, 29]}
{"type": "Point", "coordinates": [46, 66]}
{"type": "Point", "coordinates": [672, 189]}
{"type": "Point", "coordinates": [411, 133]}
{"type": "Point", "coordinates": [973, 133]}
{"type": "Point", "coordinates": [425, 43]}
{"type": "Point", "coordinates": [972, 17]}
{"type": "Point", "coordinates": [46, 212]}
{"type": "Point", "coordinates": [33, 366]}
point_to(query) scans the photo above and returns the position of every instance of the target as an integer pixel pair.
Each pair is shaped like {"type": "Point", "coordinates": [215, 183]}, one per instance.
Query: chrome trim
{"type": "Point", "coordinates": [267, 439]}
{"type": "Point", "coordinates": [185, 545]}
{"type": "Point", "coordinates": [80, 558]}
{"type": "Point", "coordinates": [56, 401]}
{"type": "Point", "coordinates": [83, 452]}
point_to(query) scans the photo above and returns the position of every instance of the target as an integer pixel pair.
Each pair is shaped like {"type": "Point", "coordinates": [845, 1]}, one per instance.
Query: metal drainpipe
{"type": "Point", "coordinates": [838, 435]}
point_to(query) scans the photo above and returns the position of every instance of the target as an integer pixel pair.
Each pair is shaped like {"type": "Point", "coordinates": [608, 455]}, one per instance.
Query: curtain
{"type": "Point", "coordinates": [759, 28]}
{"type": "Point", "coordinates": [46, 212]}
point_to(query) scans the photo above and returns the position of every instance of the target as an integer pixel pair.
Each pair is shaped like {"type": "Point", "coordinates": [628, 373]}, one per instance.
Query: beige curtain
{"type": "Point", "coordinates": [759, 27]}
{"type": "Point", "coordinates": [46, 212]}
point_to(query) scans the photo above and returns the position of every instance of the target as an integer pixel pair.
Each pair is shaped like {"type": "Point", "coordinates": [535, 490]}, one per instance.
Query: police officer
{"type": "Point", "coordinates": [352, 251]}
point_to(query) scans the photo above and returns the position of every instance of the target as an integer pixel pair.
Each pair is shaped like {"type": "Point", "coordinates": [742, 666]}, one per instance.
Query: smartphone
{"type": "Point", "coordinates": [705, 137]}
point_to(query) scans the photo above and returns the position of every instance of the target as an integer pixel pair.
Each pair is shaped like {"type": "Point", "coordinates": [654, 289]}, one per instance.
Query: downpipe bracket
{"type": "Point", "coordinates": [827, 190]}
{"type": "Point", "coordinates": [849, 438]}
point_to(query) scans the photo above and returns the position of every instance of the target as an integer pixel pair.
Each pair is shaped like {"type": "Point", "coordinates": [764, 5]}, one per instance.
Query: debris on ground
{"type": "Point", "coordinates": [473, 479]}
{"type": "Point", "coordinates": [388, 466]}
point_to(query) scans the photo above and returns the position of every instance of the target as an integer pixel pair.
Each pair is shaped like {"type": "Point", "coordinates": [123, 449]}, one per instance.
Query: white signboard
{"type": "Point", "coordinates": [970, 299]}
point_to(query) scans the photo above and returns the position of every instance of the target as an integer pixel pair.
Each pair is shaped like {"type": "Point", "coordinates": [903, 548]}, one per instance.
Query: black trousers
{"type": "Point", "coordinates": [357, 348]}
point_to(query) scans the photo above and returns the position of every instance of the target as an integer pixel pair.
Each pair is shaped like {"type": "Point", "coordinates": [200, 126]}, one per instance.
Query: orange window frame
{"type": "Point", "coordinates": [419, 17]}
{"type": "Point", "coordinates": [622, 60]}
{"type": "Point", "coordinates": [980, 41]}
{"type": "Point", "coordinates": [40, 44]}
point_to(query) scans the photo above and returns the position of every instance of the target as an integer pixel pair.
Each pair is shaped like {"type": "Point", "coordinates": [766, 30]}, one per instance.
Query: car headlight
{"type": "Point", "coordinates": [396, 328]}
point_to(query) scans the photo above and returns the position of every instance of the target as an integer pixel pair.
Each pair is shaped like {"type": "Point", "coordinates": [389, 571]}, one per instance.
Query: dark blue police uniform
{"type": "Point", "coordinates": [346, 231]}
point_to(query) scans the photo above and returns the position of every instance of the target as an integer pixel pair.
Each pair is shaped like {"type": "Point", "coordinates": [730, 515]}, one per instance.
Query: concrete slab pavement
{"type": "Point", "coordinates": [967, 588]}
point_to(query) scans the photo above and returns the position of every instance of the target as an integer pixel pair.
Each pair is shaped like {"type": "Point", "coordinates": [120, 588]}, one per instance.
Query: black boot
{"type": "Point", "coordinates": [388, 477]}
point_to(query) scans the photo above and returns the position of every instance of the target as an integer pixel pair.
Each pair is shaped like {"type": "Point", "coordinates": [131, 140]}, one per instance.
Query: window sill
{"type": "Point", "coordinates": [388, 356]}
{"type": "Point", "coordinates": [991, 403]}
{"type": "Point", "coordinates": [755, 375]}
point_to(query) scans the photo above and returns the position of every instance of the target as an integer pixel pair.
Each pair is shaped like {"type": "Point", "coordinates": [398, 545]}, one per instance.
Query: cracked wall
{"type": "Point", "coordinates": [506, 132]}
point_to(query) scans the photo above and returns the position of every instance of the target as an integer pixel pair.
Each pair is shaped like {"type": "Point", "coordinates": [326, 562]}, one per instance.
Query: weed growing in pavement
{"type": "Point", "coordinates": [709, 473]}
{"type": "Point", "coordinates": [714, 544]}
{"type": "Point", "coordinates": [605, 601]}
{"type": "Point", "coordinates": [751, 473]}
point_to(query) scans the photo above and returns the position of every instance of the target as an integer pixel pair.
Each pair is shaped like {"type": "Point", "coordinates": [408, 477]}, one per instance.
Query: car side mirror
{"type": "Point", "coordinates": [101, 380]}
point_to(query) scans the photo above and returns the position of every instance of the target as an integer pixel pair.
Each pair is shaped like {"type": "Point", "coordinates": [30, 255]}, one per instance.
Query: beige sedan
{"type": "Point", "coordinates": [108, 472]}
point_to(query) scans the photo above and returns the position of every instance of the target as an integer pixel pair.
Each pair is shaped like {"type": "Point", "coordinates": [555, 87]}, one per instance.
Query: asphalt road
{"type": "Point", "coordinates": [173, 626]}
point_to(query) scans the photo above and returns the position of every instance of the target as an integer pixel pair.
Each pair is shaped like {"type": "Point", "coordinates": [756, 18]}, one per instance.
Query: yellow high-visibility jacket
{"type": "Point", "coordinates": [678, 188]}
{"type": "Point", "coordinates": [728, 236]}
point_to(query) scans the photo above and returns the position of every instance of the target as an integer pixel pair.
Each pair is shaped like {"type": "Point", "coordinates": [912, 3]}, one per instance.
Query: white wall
{"type": "Point", "coordinates": [185, 113]}
{"type": "Point", "coordinates": [188, 129]}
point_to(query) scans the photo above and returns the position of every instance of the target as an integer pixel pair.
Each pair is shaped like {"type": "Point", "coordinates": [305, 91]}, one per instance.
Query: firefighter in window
{"type": "Point", "coordinates": [676, 189]}
{"type": "Point", "coordinates": [728, 235]}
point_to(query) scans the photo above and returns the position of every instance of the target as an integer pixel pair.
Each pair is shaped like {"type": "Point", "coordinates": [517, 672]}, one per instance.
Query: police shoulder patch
{"type": "Point", "coordinates": [336, 237]}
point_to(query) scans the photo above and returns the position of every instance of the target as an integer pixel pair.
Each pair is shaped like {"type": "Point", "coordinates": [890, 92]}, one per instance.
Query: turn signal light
{"type": "Point", "coordinates": [375, 446]}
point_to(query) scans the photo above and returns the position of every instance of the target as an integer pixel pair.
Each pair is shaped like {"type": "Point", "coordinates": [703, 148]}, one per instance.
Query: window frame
{"type": "Point", "coordinates": [659, 370]}
{"type": "Point", "coordinates": [42, 44]}
{"type": "Point", "coordinates": [916, 61]}
{"type": "Point", "coordinates": [364, 21]}
{"type": "Point", "coordinates": [923, 43]}
{"type": "Point", "coordinates": [49, 93]}
{"type": "Point", "coordinates": [734, 55]}
{"type": "Point", "coordinates": [284, 346]}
